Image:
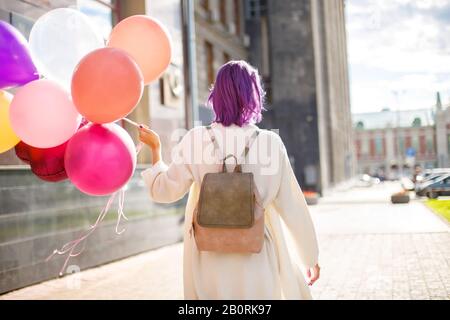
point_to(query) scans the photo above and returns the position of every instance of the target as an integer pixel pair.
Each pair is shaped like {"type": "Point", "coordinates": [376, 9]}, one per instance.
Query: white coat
{"type": "Point", "coordinates": [274, 273]}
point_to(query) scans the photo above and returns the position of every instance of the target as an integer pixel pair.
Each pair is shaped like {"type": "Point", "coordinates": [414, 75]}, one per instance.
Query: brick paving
{"type": "Point", "coordinates": [369, 249]}
{"type": "Point", "coordinates": [384, 266]}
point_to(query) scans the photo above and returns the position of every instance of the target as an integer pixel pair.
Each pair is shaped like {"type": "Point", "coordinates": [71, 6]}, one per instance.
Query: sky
{"type": "Point", "coordinates": [399, 53]}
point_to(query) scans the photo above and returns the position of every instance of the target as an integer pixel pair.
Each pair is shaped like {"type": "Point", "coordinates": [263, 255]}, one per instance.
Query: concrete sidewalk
{"type": "Point", "coordinates": [369, 249]}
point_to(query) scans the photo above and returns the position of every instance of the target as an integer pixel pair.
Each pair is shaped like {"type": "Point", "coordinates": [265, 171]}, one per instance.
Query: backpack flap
{"type": "Point", "coordinates": [226, 200]}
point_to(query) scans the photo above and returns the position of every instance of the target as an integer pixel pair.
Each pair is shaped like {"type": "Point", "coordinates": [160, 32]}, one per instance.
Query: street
{"type": "Point", "coordinates": [369, 249]}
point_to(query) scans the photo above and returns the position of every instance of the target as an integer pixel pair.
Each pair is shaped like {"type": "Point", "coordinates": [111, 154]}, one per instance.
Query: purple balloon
{"type": "Point", "coordinates": [100, 158]}
{"type": "Point", "coordinates": [16, 65]}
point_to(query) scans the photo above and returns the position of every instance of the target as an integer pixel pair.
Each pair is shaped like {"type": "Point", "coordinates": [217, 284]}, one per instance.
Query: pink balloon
{"type": "Point", "coordinates": [100, 158]}
{"type": "Point", "coordinates": [43, 115]}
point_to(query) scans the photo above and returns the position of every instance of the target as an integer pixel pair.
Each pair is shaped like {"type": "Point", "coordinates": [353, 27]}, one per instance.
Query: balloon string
{"type": "Point", "coordinates": [71, 246]}
{"type": "Point", "coordinates": [120, 212]}
{"type": "Point", "coordinates": [131, 122]}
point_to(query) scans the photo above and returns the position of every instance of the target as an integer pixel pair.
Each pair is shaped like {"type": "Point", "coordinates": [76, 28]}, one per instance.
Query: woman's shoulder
{"type": "Point", "coordinates": [269, 135]}
{"type": "Point", "coordinates": [196, 131]}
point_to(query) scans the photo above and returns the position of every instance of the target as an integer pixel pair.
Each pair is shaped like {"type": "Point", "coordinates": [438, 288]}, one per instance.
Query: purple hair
{"type": "Point", "coordinates": [237, 96]}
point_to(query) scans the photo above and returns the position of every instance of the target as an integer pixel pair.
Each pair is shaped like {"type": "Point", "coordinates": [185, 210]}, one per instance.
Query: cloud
{"type": "Point", "coordinates": [404, 43]}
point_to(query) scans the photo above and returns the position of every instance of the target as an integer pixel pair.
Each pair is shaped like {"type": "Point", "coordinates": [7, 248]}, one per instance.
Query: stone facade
{"type": "Point", "coordinates": [383, 151]}
{"type": "Point", "coordinates": [220, 37]}
{"type": "Point", "coordinates": [443, 137]}
{"type": "Point", "coordinates": [301, 48]}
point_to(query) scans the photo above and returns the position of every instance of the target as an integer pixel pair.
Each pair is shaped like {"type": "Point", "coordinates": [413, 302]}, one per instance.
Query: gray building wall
{"type": "Point", "coordinates": [37, 217]}
{"type": "Point", "coordinates": [307, 81]}
{"type": "Point", "coordinates": [293, 107]}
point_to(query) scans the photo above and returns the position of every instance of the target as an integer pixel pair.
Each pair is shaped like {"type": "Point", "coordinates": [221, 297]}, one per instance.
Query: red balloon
{"type": "Point", "coordinates": [46, 164]}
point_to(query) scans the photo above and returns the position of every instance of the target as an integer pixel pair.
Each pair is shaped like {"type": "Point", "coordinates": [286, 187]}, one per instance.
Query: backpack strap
{"type": "Point", "coordinates": [212, 137]}
{"type": "Point", "coordinates": [249, 144]}
{"type": "Point", "coordinates": [213, 140]}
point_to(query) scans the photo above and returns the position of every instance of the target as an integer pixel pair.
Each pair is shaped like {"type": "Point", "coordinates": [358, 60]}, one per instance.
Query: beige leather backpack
{"type": "Point", "coordinates": [229, 216]}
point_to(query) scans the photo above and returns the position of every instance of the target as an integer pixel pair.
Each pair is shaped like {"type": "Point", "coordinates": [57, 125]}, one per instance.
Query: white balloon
{"type": "Point", "coordinates": [58, 41]}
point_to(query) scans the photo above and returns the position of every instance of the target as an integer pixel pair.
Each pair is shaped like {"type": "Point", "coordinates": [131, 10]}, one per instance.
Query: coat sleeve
{"type": "Point", "coordinates": [291, 205]}
{"type": "Point", "coordinates": [169, 183]}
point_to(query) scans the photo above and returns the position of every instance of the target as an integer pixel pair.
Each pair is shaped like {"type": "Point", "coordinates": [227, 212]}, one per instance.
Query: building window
{"type": "Point", "coordinates": [378, 146]}
{"type": "Point", "coordinates": [372, 147]}
{"type": "Point", "coordinates": [103, 14]}
{"type": "Point", "coordinates": [237, 16]}
{"type": "Point", "coordinates": [423, 145]}
{"type": "Point", "coordinates": [255, 9]}
{"type": "Point", "coordinates": [209, 62]}
{"type": "Point", "coordinates": [407, 142]}
{"type": "Point", "coordinates": [430, 145]}
{"type": "Point", "coordinates": [223, 13]}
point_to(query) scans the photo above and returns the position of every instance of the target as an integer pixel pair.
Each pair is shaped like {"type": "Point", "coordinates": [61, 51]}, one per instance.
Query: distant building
{"type": "Point", "coordinates": [394, 142]}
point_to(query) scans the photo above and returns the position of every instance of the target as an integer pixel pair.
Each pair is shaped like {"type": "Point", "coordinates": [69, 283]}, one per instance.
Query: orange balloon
{"type": "Point", "coordinates": [106, 85]}
{"type": "Point", "coordinates": [147, 41]}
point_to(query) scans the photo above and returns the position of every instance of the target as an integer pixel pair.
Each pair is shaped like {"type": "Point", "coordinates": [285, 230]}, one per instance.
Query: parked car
{"type": "Point", "coordinates": [430, 177]}
{"type": "Point", "coordinates": [434, 188]}
{"type": "Point", "coordinates": [431, 173]}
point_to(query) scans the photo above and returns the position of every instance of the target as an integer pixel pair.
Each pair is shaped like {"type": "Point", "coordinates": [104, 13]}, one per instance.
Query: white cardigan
{"type": "Point", "coordinates": [282, 197]}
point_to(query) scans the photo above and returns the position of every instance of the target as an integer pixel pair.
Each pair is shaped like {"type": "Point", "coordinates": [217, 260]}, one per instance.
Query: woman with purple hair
{"type": "Point", "coordinates": [276, 272]}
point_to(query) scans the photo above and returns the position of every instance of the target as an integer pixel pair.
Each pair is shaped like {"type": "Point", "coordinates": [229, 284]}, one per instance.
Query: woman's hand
{"type": "Point", "coordinates": [313, 274]}
{"type": "Point", "coordinates": [151, 138]}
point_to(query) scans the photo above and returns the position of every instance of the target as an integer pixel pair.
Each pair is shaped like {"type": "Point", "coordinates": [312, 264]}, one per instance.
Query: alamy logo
{"type": "Point", "coordinates": [195, 148]}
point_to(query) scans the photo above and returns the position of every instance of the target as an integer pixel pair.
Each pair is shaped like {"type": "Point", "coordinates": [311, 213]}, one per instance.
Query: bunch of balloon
{"type": "Point", "coordinates": [106, 86]}
{"type": "Point", "coordinates": [16, 69]}
{"type": "Point", "coordinates": [72, 88]}
{"type": "Point", "coordinates": [41, 117]}
{"type": "Point", "coordinates": [80, 78]}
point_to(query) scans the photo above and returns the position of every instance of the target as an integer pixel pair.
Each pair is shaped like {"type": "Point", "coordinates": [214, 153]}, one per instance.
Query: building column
{"type": "Point", "coordinates": [390, 151]}
{"type": "Point", "coordinates": [441, 139]}
{"type": "Point", "coordinates": [141, 113]}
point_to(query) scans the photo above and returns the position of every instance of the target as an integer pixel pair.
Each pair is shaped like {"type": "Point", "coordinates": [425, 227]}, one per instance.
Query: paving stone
{"type": "Point", "coordinates": [382, 256]}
